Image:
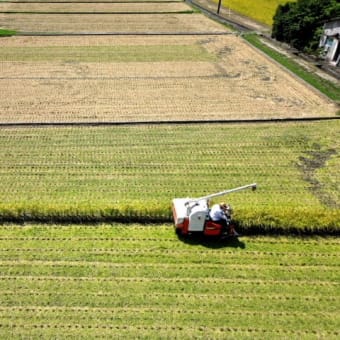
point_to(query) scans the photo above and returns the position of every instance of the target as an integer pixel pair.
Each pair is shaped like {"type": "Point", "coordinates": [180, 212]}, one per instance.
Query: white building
{"type": "Point", "coordinates": [330, 42]}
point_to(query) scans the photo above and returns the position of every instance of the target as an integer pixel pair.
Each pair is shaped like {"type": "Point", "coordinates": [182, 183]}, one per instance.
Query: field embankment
{"type": "Point", "coordinates": [131, 173]}
{"type": "Point", "coordinates": [137, 281]}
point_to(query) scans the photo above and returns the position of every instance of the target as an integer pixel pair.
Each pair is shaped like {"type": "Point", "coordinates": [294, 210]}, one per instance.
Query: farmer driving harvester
{"type": "Point", "coordinates": [193, 215]}
{"type": "Point", "coordinates": [221, 213]}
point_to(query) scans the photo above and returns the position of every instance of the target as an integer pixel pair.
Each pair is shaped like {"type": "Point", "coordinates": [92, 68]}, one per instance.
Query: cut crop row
{"type": "Point", "coordinates": [93, 8]}
{"type": "Point", "coordinates": [204, 274]}
{"type": "Point", "coordinates": [226, 286]}
{"type": "Point", "coordinates": [111, 23]}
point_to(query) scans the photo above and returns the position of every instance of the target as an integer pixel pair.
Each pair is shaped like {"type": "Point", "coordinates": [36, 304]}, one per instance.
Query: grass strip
{"type": "Point", "coordinates": [7, 33]}
{"type": "Point", "coordinates": [330, 89]}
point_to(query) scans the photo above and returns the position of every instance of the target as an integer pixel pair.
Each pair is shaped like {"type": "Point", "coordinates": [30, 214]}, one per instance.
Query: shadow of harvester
{"type": "Point", "coordinates": [212, 242]}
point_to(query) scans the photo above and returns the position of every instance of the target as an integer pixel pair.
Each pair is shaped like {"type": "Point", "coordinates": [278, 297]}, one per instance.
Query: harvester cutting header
{"type": "Point", "coordinates": [194, 215]}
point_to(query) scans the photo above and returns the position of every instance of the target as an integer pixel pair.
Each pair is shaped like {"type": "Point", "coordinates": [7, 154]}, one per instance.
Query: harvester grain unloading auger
{"type": "Point", "coordinates": [191, 215]}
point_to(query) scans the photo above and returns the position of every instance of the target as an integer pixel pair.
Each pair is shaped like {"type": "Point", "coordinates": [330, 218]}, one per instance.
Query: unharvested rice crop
{"type": "Point", "coordinates": [260, 10]}
{"type": "Point", "coordinates": [118, 79]}
{"type": "Point", "coordinates": [71, 7]}
{"type": "Point", "coordinates": [114, 281]}
{"type": "Point", "coordinates": [133, 172]}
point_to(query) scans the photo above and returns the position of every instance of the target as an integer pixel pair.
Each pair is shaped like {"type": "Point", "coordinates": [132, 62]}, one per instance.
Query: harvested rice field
{"type": "Point", "coordinates": [147, 78]}
{"type": "Point", "coordinates": [110, 23]}
{"type": "Point", "coordinates": [86, 7]}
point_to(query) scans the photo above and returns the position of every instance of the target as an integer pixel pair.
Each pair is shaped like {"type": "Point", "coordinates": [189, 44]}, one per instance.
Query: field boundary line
{"type": "Point", "coordinates": [189, 296]}
{"type": "Point", "coordinates": [62, 34]}
{"type": "Point", "coordinates": [162, 252]}
{"type": "Point", "coordinates": [129, 327]}
{"type": "Point", "coordinates": [90, 2]}
{"type": "Point", "coordinates": [141, 279]}
{"type": "Point", "coordinates": [170, 122]}
{"type": "Point", "coordinates": [112, 310]}
{"type": "Point", "coordinates": [137, 239]}
{"type": "Point", "coordinates": [99, 13]}
{"type": "Point", "coordinates": [108, 265]}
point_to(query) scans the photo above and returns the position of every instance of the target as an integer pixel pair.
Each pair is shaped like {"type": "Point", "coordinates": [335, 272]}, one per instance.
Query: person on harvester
{"type": "Point", "coordinates": [221, 213]}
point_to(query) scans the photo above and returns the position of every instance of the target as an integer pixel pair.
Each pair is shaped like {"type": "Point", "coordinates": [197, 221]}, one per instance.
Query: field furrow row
{"type": "Point", "coordinates": [86, 7]}
{"type": "Point", "coordinates": [98, 237]}
{"type": "Point", "coordinates": [161, 252]}
{"type": "Point", "coordinates": [18, 263]}
{"type": "Point", "coordinates": [182, 280]}
{"type": "Point", "coordinates": [88, 312]}
{"type": "Point", "coordinates": [193, 330]}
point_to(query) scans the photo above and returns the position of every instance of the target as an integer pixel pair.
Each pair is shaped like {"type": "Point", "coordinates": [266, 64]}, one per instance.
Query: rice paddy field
{"type": "Point", "coordinates": [147, 78]}
{"type": "Point", "coordinates": [114, 281]}
{"type": "Point", "coordinates": [260, 10]}
{"type": "Point", "coordinates": [107, 116]}
{"type": "Point", "coordinates": [133, 172]}
{"type": "Point", "coordinates": [88, 7]}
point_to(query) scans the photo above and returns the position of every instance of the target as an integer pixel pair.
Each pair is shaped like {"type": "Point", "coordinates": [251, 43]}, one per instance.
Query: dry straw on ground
{"type": "Point", "coordinates": [235, 83]}
{"type": "Point", "coordinates": [110, 23]}
{"type": "Point", "coordinates": [95, 7]}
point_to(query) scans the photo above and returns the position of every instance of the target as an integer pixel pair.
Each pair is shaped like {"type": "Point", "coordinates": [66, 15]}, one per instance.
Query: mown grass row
{"type": "Point", "coordinates": [146, 282]}
{"type": "Point", "coordinates": [132, 173]}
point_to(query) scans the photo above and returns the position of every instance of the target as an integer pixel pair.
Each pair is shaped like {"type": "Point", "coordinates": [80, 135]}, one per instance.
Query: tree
{"type": "Point", "coordinates": [299, 23]}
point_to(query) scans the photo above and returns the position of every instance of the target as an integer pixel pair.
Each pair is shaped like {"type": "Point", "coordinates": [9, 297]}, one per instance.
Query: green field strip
{"type": "Point", "coordinates": [171, 284]}
{"type": "Point", "coordinates": [15, 312]}
{"type": "Point", "coordinates": [114, 245]}
{"type": "Point", "coordinates": [160, 233]}
{"type": "Point", "coordinates": [247, 289]}
{"type": "Point", "coordinates": [141, 258]}
{"type": "Point", "coordinates": [7, 33]}
{"type": "Point", "coordinates": [202, 255]}
{"type": "Point", "coordinates": [58, 280]}
{"type": "Point", "coordinates": [146, 299]}
{"type": "Point", "coordinates": [138, 316]}
{"type": "Point", "coordinates": [179, 258]}
{"type": "Point", "coordinates": [313, 242]}
{"type": "Point", "coordinates": [104, 54]}
{"type": "Point", "coordinates": [86, 175]}
{"type": "Point", "coordinates": [164, 272]}
{"type": "Point", "coordinates": [154, 332]}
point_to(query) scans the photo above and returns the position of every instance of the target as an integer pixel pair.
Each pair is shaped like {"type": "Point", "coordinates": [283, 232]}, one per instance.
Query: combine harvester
{"type": "Point", "coordinates": [191, 215]}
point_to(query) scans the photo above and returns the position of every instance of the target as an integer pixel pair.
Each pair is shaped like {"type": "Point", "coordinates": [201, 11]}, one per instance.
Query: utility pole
{"type": "Point", "coordinates": [219, 6]}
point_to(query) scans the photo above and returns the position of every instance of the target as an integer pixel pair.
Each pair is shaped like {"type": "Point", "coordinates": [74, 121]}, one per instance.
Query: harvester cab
{"type": "Point", "coordinates": [191, 215]}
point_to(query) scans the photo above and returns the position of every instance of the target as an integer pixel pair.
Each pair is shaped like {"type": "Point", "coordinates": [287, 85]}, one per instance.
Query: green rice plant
{"type": "Point", "coordinates": [142, 281]}
{"type": "Point", "coordinates": [132, 173]}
